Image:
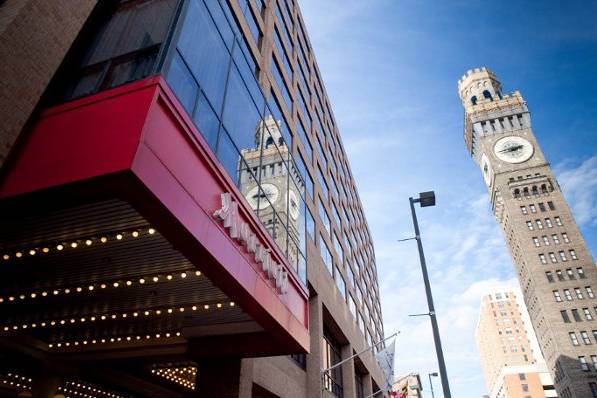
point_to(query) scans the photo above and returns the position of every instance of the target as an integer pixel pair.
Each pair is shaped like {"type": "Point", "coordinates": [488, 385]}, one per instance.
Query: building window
{"type": "Point", "coordinates": [565, 316]}
{"type": "Point", "coordinates": [560, 275]}
{"type": "Point", "coordinates": [541, 206]}
{"type": "Point", "coordinates": [576, 315]}
{"type": "Point", "coordinates": [555, 238]}
{"type": "Point", "coordinates": [583, 364]}
{"type": "Point", "coordinates": [524, 210]}
{"type": "Point", "coordinates": [542, 258]}
{"type": "Point", "coordinates": [545, 240]}
{"type": "Point", "coordinates": [568, 294]}
{"type": "Point", "coordinates": [573, 254]}
{"type": "Point", "coordinates": [585, 337]}
{"type": "Point", "coordinates": [558, 221]}
{"type": "Point", "coordinates": [549, 276]}
{"type": "Point", "coordinates": [332, 379]}
{"type": "Point", "coordinates": [587, 313]}
{"type": "Point", "coordinates": [581, 273]}
{"type": "Point", "coordinates": [579, 294]}
{"type": "Point", "coordinates": [565, 237]}
{"type": "Point", "coordinates": [522, 376]}
{"type": "Point", "coordinates": [551, 206]}
{"type": "Point", "coordinates": [530, 225]}
{"type": "Point", "coordinates": [563, 255]}
{"type": "Point", "coordinates": [548, 223]}
{"type": "Point", "coordinates": [326, 255]}
{"type": "Point", "coordinates": [557, 296]}
{"type": "Point", "coordinates": [553, 258]}
{"type": "Point", "coordinates": [340, 283]}
{"type": "Point", "coordinates": [589, 292]}
{"type": "Point", "coordinates": [539, 224]}
{"type": "Point", "coordinates": [570, 274]}
{"type": "Point", "coordinates": [593, 385]}
{"type": "Point", "coordinates": [533, 208]}
{"type": "Point", "coordinates": [536, 241]}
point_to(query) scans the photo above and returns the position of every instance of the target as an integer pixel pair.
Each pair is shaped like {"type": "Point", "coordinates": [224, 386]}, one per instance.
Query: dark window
{"type": "Point", "coordinates": [332, 379]}
{"type": "Point", "coordinates": [474, 100]}
{"type": "Point", "coordinates": [551, 206]}
{"type": "Point", "coordinates": [358, 381]}
{"type": "Point", "coordinates": [565, 317]}
{"type": "Point", "coordinates": [300, 360]}
{"type": "Point", "coordinates": [576, 315]}
{"type": "Point", "coordinates": [487, 95]}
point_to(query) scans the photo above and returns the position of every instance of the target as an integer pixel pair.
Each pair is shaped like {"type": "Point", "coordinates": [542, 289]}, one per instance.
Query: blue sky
{"type": "Point", "coordinates": [391, 68]}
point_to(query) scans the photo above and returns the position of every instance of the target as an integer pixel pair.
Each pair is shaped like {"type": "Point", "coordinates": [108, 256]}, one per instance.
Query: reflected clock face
{"type": "Point", "coordinates": [513, 149]}
{"type": "Point", "coordinates": [262, 199]}
{"type": "Point", "coordinates": [293, 205]}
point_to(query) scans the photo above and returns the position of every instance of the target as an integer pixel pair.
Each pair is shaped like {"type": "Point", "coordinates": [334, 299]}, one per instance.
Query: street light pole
{"type": "Point", "coordinates": [434, 374]}
{"type": "Point", "coordinates": [428, 199]}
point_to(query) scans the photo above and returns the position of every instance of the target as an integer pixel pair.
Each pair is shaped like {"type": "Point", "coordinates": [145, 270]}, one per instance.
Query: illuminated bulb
{"type": "Point", "coordinates": [103, 317]}
{"type": "Point", "coordinates": [183, 275]}
{"type": "Point", "coordinates": [32, 252]}
{"type": "Point", "coordinates": [141, 281]}
{"type": "Point", "coordinates": [88, 242]}
{"type": "Point", "coordinates": [6, 257]}
{"type": "Point", "coordinates": [146, 312]}
{"type": "Point", "coordinates": [44, 294]}
{"type": "Point", "coordinates": [53, 323]}
{"type": "Point", "coordinates": [103, 239]}
{"type": "Point", "coordinates": [115, 284]}
{"type": "Point", "coordinates": [128, 283]}
{"type": "Point", "coordinates": [91, 287]}
{"type": "Point", "coordinates": [45, 249]}
{"type": "Point", "coordinates": [219, 305]}
{"type": "Point", "coordinates": [124, 315]}
{"type": "Point", "coordinates": [92, 319]}
{"type": "Point", "coordinates": [169, 277]}
{"type": "Point", "coordinates": [22, 297]}
{"type": "Point", "coordinates": [194, 308]}
{"type": "Point", "coordinates": [79, 289]}
{"type": "Point", "coordinates": [33, 295]}
{"type": "Point", "coordinates": [103, 285]}
{"type": "Point", "coordinates": [113, 316]}
{"type": "Point", "coordinates": [135, 314]}
{"type": "Point", "coordinates": [169, 310]}
{"type": "Point", "coordinates": [206, 306]}
{"type": "Point", "coordinates": [74, 245]}
{"type": "Point", "coordinates": [11, 298]}
{"type": "Point", "coordinates": [19, 254]}
{"type": "Point", "coordinates": [1, 300]}
{"type": "Point", "coordinates": [119, 236]}
{"type": "Point", "coordinates": [62, 322]}
{"type": "Point", "coordinates": [198, 273]}
{"type": "Point", "coordinates": [167, 334]}
{"type": "Point", "coordinates": [181, 309]}
{"type": "Point", "coordinates": [232, 304]}
{"type": "Point", "coordinates": [155, 278]}
{"type": "Point", "coordinates": [55, 292]}
{"type": "Point", "coordinates": [59, 247]}
{"type": "Point", "coordinates": [151, 231]}
{"type": "Point", "coordinates": [135, 234]}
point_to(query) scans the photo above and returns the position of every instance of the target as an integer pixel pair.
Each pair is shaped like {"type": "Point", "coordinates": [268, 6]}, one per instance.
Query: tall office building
{"type": "Point", "coordinates": [555, 269]}
{"type": "Point", "coordinates": [177, 212]}
{"type": "Point", "coordinates": [511, 367]}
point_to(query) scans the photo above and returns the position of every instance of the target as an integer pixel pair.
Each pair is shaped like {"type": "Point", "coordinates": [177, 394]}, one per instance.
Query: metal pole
{"type": "Point", "coordinates": [431, 385]}
{"type": "Point", "coordinates": [434, 327]}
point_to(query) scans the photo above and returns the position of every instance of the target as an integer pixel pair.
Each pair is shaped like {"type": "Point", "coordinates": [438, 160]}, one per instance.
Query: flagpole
{"type": "Point", "coordinates": [324, 371]}
{"type": "Point", "coordinates": [342, 362]}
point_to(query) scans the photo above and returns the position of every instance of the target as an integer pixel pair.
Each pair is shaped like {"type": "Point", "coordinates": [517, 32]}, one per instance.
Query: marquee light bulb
{"type": "Point", "coordinates": [119, 236]}
{"type": "Point", "coordinates": [151, 231]}
{"type": "Point", "coordinates": [6, 257]}
{"type": "Point", "coordinates": [74, 245]}
{"type": "Point", "coordinates": [32, 252]}
{"type": "Point", "coordinates": [59, 247]}
{"type": "Point", "coordinates": [45, 250]}
{"type": "Point", "coordinates": [135, 234]}
{"type": "Point", "coordinates": [19, 254]}
{"type": "Point", "coordinates": [88, 242]}
{"type": "Point", "coordinates": [103, 239]}
{"type": "Point", "coordinates": [183, 275]}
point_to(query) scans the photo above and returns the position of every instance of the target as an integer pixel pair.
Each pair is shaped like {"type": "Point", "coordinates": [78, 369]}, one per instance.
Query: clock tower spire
{"type": "Point", "coordinates": [549, 253]}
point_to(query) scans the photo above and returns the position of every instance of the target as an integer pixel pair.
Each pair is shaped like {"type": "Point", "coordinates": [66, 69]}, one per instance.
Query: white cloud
{"type": "Point", "coordinates": [579, 184]}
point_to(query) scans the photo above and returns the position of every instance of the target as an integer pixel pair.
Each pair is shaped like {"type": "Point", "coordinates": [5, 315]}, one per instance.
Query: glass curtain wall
{"type": "Point", "coordinates": [213, 74]}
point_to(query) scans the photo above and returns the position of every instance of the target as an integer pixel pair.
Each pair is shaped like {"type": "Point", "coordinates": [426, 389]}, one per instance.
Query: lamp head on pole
{"type": "Point", "coordinates": [426, 199]}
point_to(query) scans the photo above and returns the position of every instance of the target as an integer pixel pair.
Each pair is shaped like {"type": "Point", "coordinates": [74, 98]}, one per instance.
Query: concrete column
{"type": "Point", "coordinates": [45, 386]}
{"type": "Point", "coordinates": [246, 378]}
{"type": "Point", "coordinates": [219, 378]}
{"type": "Point", "coordinates": [314, 358]}
{"type": "Point", "coordinates": [348, 383]}
{"type": "Point", "coordinates": [367, 385]}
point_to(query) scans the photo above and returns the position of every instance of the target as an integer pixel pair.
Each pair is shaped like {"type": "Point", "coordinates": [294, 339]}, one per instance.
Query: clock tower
{"type": "Point", "coordinates": [272, 186]}
{"type": "Point", "coordinates": [555, 269]}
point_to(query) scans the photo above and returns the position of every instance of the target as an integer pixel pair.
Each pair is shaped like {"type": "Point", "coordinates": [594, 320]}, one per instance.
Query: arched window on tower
{"type": "Point", "coordinates": [487, 94]}
{"type": "Point", "coordinates": [474, 100]}
{"type": "Point", "coordinates": [525, 192]}
{"type": "Point", "coordinates": [269, 141]}
{"type": "Point", "coordinates": [517, 193]}
{"type": "Point", "coordinates": [543, 188]}
{"type": "Point", "coordinates": [535, 190]}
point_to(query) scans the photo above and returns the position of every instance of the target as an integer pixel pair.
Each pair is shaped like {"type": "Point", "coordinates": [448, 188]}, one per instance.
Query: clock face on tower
{"type": "Point", "coordinates": [256, 198]}
{"type": "Point", "coordinates": [513, 149]}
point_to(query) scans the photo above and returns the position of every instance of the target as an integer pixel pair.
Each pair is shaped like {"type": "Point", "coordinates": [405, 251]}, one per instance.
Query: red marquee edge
{"type": "Point", "coordinates": [137, 143]}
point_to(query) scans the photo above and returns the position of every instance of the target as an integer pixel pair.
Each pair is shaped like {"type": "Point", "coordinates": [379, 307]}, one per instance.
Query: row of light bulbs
{"type": "Point", "coordinates": [111, 340]}
{"type": "Point", "coordinates": [82, 242]}
{"type": "Point", "coordinates": [121, 315]}
{"type": "Point", "coordinates": [100, 286]}
{"type": "Point", "coordinates": [181, 376]}
{"type": "Point", "coordinates": [16, 380]}
{"type": "Point", "coordinates": [87, 390]}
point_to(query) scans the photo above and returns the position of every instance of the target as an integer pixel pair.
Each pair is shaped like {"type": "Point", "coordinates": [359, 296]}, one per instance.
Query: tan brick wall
{"type": "Point", "coordinates": [34, 37]}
